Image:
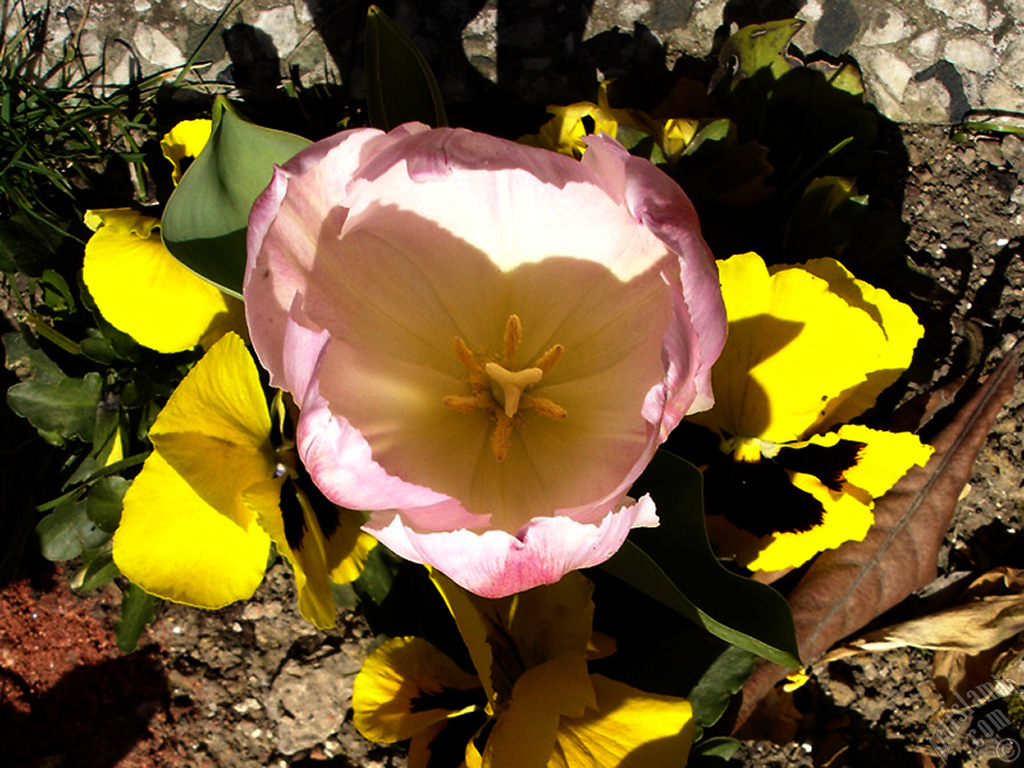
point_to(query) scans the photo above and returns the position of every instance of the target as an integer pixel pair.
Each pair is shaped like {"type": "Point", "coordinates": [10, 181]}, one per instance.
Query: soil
{"type": "Point", "coordinates": [254, 685]}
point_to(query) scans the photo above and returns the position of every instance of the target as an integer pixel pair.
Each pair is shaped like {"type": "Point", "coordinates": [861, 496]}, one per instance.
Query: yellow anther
{"type": "Point", "coordinates": [547, 361]}
{"type": "Point", "coordinates": [513, 337]}
{"type": "Point", "coordinates": [512, 384]}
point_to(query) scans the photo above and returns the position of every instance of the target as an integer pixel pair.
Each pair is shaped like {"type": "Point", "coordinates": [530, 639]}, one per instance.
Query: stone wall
{"type": "Point", "coordinates": [923, 60]}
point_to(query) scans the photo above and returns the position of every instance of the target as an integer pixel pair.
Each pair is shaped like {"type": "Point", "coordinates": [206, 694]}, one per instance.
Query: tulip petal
{"type": "Point", "coordinates": [507, 200]}
{"type": "Point", "coordinates": [629, 729]}
{"type": "Point", "coordinates": [142, 290]}
{"type": "Point", "coordinates": [175, 545]}
{"type": "Point", "coordinates": [390, 365]}
{"type": "Point", "coordinates": [496, 564]}
{"type": "Point", "coordinates": [282, 245]}
{"type": "Point", "coordinates": [406, 686]}
{"type": "Point", "coordinates": [658, 202]}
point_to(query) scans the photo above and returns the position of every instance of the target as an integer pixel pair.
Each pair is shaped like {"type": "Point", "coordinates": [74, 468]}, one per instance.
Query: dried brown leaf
{"type": "Point", "coordinates": [973, 627]}
{"type": "Point", "coordinates": [847, 587]}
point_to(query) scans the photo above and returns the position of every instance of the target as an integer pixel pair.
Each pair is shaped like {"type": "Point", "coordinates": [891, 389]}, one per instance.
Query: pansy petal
{"type": "Point", "coordinates": [509, 635]}
{"type": "Point", "coordinates": [565, 131]}
{"type": "Point", "coordinates": [175, 545]}
{"type": "Point", "coordinates": [322, 543]}
{"type": "Point", "coordinates": [186, 139]}
{"type": "Point", "coordinates": [142, 290]}
{"type": "Point", "coordinates": [316, 602]}
{"type": "Point", "coordinates": [902, 333]}
{"type": "Point", "coordinates": [784, 360]}
{"type": "Point", "coordinates": [406, 686]}
{"type": "Point", "coordinates": [884, 459]}
{"type": "Point", "coordinates": [524, 736]}
{"type": "Point", "coordinates": [221, 398]}
{"type": "Point", "coordinates": [629, 729]}
{"type": "Point", "coordinates": [496, 564]}
{"type": "Point", "coordinates": [846, 518]}
{"type": "Point", "coordinates": [448, 744]}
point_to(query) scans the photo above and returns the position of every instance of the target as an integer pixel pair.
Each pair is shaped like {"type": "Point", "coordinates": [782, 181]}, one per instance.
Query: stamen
{"type": "Point", "coordinates": [469, 403]}
{"type": "Point", "coordinates": [544, 407]}
{"type": "Point", "coordinates": [498, 388]}
{"type": "Point", "coordinates": [501, 437]}
{"type": "Point", "coordinates": [465, 355]}
{"type": "Point", "coordinates": [547, 361]}
{"type": "Point", "coordinates": [513, 337]}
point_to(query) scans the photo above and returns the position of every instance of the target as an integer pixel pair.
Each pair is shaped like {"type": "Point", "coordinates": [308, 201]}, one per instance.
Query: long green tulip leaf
{"type": "Point", "coordinates": [400, 88]}
{"type": "Point", "coordinates": [674, 564]}
{"type": "Point", "coordinates": [206, 219]}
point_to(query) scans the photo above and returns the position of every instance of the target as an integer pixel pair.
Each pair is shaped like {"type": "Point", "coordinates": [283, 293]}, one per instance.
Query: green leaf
{"type": "Point", "coordinates": [60, 408]}
{"type": "Point", "coordinates": [97, 569]}
{"type": "Point", "coordinates": [760, 48]}
{"type": "Point", "coordinates": [400, 88]}
{"type": "Point", "coordinates": [55, 292]}
{"type": "Point", "coordinates": [206, 219]}
{"type": "Point", "coordinates": [136, 612]}
{"type": "Point", "coordinates": [674, 564]}
{"type": "Point", "coordinates": [700, 668]}
{"type": "Point", "coordinates": [67, 531]}
{"type": "Point", "coordinates": [378, 575]}
{"type": "Point", "coordinates": [105, 502]}
{"type": "Point", "coordinates": [712, 753]}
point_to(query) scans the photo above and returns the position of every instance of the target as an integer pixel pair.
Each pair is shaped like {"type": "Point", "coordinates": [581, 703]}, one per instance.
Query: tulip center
{"type": "Point", "coordinates": [497, 387]}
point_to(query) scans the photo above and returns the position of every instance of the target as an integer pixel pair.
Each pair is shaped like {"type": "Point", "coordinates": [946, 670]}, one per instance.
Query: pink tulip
{"type": "Point", "coordinates": [487, 341]}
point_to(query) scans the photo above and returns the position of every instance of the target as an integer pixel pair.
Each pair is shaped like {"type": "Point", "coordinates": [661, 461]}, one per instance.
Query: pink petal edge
{"type": "Point", "coordinates": [497, 564]}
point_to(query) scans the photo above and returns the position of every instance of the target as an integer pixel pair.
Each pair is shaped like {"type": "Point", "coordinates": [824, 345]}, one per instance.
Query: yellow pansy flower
{"type": "Point", "coordinates": [810, 347]}
{"type": "Point", "coordinates": [532, 704]}
{"type": "Point", "coordinates": [198, 520]}
{"type": "Point", "coordinates": [567, 130]}
{"type": "Point", "coordinates": [185, 140]}
{"type": "Point", "coordinates": [139, 287]}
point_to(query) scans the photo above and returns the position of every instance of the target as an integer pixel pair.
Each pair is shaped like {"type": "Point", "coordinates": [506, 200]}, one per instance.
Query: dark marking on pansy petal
{"type": "Point", "coordinates": [448, 699]}
{"type": "Point", "coordinates": [827, 463]}
{"type": "Point", "coordinates": [759, 497]}
{"type": "Point", "coordinates": [698, 445]}
{"type": "Point", "coordinates": [588, 124]}
{"type": "Point", "coordinates": [448, 748]}
{"type": "Point", "coordinates": [292, 498]}
{"type": "Point", "coordinates": [480, 739]}
{"type": "Point", "coordinates": [292, 516]}
{"type": "Point", "coordinates": [327, 514]}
